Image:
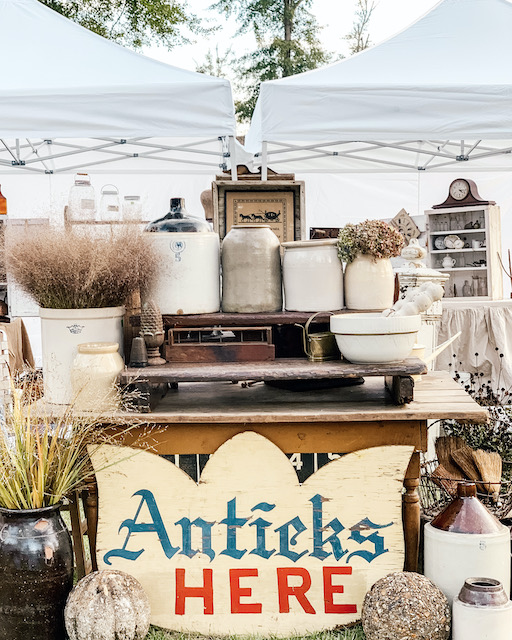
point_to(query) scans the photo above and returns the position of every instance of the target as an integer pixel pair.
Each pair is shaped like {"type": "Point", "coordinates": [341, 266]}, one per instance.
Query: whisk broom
{"type": "Point", "coordinates": [490, 465]}
{"type": "Point", "coordinates": [445, 446]}
{"type": "Point", "coordinates": [463, 458]}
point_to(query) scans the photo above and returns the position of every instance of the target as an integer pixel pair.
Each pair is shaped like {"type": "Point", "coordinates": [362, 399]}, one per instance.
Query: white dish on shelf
{"type": "Point", "coordinates": [449, 241]}
{"type": "Point", "coordinates": [439, 242]}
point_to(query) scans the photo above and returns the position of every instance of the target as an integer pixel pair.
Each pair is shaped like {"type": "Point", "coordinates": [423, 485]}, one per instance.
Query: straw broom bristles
{"type": "Point", "coordinates": [463, 458]}
{"type": "Point", "coordinates": [445, 446]}
{"type": "Point", "coordinates": [490, 465]}
{"type": "Point", "coordinates": [447, 480]}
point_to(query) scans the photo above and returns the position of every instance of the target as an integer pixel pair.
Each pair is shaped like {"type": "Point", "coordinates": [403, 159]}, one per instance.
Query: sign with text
{"type": "Point", "coordinates": [249, 550]}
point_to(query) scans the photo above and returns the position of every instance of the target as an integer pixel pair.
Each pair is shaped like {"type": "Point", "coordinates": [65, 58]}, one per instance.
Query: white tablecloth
{"type": "Point", "coordinates": [485, 344]}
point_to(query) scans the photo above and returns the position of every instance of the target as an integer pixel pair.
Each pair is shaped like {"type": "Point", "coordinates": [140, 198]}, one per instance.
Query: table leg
{"type": "Point", "coordinates": [401, 388]}
{"type": "Point", "coordinates": [91, 513]}
{"type": "Point", "coordinates": [411, 513]}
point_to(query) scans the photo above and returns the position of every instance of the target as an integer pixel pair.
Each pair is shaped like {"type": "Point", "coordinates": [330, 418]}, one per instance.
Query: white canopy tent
{"type": "Point", "coordinates": [70, 99]}
{"type": "Point", "coordinates": [437, 95]}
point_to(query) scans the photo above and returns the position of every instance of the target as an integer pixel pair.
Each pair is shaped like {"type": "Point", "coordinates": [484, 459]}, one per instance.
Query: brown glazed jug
{"type": "Point", "coordinates": [466, 540]}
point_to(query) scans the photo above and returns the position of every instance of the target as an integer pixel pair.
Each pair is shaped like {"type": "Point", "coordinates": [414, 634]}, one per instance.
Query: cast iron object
{"type": "Point", "coordinates": [483, 592]}
{"type": "Point", "coordinates": [36, 573]}
{"type": "Point", "coordinates": [466, 514]}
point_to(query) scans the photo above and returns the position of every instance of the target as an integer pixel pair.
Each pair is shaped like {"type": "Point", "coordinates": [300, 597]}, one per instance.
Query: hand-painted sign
{"type": "Point", "coordinates": [249, 550]}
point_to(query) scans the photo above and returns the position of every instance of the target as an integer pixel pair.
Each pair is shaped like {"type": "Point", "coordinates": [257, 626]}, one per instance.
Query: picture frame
{"type": "Point", "coordinates": [277, 203]}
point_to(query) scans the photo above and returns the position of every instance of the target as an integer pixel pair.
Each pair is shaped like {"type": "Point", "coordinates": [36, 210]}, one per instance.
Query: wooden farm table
{"type": "Point", "coordinates": [199, 417]}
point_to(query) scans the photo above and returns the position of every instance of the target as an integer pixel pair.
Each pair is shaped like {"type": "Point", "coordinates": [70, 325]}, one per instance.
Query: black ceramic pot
{"type": "Point", "coordinates": [36, 573]}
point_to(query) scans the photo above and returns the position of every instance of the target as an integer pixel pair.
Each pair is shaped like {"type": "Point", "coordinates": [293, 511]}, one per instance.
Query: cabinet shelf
{"type": "Point", "coordinates": [487, 277]}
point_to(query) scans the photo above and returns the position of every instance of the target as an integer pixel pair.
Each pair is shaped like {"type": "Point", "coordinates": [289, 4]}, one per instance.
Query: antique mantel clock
{"type": "Point", "coordinates": [462, 193]}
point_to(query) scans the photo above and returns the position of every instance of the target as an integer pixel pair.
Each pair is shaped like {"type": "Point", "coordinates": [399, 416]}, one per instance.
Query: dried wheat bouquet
{"type": "Point", "coordinates": [64, 269]}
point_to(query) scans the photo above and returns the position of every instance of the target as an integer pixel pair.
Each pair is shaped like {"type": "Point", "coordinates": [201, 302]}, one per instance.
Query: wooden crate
{"type": "Point", "coordinates": [219, 344]}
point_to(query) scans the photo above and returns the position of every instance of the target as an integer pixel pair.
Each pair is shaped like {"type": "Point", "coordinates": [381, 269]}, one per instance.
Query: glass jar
{"type": "Point", "coordinates": [82, 201]}
{"type": "Point", "coordinates": [109, 203]}
{"type": "Point", "coordinates": [132, 209]}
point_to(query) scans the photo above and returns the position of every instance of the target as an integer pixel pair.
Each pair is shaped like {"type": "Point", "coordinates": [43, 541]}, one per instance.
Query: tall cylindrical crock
{"type": "Point", "coordinates": [312, 276]}
{"type": "Point", "coordinates": [188, 278]}
{"type": "Point", "coordinates": [369, 283]}
{"type": "Point", "coordinates": [251, 270]}
{"type": "Point", "coordinates": [62, 330]}
{"type": "Point", "coordinates": [36, 573]}
{"type": "Point", "coordinates": [466, 540]}
{"type": "Point", "coordinates": [93, 376]}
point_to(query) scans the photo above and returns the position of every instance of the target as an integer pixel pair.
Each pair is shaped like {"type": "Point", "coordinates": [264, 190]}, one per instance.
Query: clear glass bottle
{"type": "Point", "coordinates": [132, 209]}
{"type": "Point", "coordinates": [82, 201]}
{"type": "Point", "coordinates": [178, 220]}
{"type": "Point", "coordinates": [109, 203]}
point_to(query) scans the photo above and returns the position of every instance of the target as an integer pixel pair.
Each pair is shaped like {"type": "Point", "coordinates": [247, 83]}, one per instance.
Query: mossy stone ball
{"type": "Point", "coordinates": [406, 605]}
{"type": "Point", "coordinates": [107, 605]}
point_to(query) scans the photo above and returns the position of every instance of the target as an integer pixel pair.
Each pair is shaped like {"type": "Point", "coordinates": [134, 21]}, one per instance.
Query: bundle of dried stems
{"type": "Point", "coordinates": [63, 269]}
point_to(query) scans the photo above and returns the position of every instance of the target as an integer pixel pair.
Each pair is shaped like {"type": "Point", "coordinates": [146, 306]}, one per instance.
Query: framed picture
{"type": "Point", "coordinates": [277, 203]}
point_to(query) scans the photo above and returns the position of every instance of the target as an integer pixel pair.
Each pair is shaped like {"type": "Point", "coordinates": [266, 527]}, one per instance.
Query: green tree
{"type": "Point", "coordinates": [133, 23]}
{"type": "Point", "coordinates": [287, 43]}
{"type": "Point", "coordinates": [359, 38]}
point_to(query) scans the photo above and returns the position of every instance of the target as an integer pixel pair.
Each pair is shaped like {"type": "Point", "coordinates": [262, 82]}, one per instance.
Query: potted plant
{"type": "Point", "coordinates": [81, 280]}
{"type": "Point", "coordinates": [42, 460]}
{"type": "Point", "coordinates": [366, 248]}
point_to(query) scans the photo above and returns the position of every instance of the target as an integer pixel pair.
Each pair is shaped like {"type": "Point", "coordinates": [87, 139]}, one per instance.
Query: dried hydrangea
{"type": "Point", "coordinates": [372, 238]}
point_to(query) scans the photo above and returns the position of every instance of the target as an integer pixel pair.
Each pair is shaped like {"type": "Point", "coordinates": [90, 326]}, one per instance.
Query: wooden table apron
{"type": "Point", "coordinates": [366, 419]}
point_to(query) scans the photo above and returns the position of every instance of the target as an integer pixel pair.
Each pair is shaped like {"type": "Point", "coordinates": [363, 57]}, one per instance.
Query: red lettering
{"type": "Point", "coordinates": [330, 589]}
{"type": "Point", "coordinates": [285, 590]}
{"type": "Point", "coordinates": [205, 592]}
{"type": "Point", "coordinates": [238, 592]}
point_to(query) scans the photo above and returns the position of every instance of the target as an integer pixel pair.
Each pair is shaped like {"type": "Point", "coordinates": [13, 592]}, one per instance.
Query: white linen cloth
{"type": "Point", "coordinates": [485, 344]}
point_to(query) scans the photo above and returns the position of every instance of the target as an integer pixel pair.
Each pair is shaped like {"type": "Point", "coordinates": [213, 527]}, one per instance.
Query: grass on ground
{"type": "Point", "coordinates": [352, 633]}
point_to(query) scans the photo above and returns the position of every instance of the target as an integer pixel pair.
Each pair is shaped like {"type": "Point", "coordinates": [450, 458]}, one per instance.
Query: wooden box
{"type": "Point", "coordinates": [219, 344]}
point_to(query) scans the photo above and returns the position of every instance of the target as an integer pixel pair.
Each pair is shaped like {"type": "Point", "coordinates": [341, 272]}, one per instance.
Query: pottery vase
{"type": "Point", "coordinates": [62, 330]}
{"type": "Point", "coordinates": [36, 565]}
{"type": "Point", "coordinates": [369, 283]}
{"type": "Point", "coordinates": [312, 276]}
{"type": "Point", "coordinates": [251, 270]}
{"type": "Point", "coordinates": [93, 376]}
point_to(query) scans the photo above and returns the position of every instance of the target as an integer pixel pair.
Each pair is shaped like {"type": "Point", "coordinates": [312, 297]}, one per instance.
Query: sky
{"type": "Point", "coordinates": [335, 16]}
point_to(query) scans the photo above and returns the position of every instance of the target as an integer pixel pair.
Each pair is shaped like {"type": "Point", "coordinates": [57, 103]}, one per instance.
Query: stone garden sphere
{"type": "Point", "coordinates": [107, 605]}
{"type": "Point", "coordinates": [405, 605]}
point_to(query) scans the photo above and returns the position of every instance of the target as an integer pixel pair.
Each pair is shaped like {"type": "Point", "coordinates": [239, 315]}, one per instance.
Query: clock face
{"type": "Point", "coordinates": [459, 189]}
{"type": "Point", "coordinates": [406, 225]}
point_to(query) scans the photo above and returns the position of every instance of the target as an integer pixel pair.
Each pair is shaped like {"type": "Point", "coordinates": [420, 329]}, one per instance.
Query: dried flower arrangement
{"type": "Point", "coordinates": [64, 269]}
{"type": "Point", "coordinates": [495, 437]}
{"type": "Point", "coordinates": [371, 237]}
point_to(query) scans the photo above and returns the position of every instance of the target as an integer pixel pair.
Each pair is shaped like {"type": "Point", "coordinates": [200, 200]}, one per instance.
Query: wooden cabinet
{"type": "Point", "coordinates": [464, 242]}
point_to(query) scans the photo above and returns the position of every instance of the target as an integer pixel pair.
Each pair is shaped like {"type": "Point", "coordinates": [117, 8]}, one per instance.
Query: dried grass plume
{"type": "Point", "coordinates": [62, 269]}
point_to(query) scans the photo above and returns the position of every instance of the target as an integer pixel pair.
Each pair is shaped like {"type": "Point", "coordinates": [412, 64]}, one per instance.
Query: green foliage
{"type": "Point", "coordinates": [287, 38]}
{"type": "Point", "coordinates": [133, 23]}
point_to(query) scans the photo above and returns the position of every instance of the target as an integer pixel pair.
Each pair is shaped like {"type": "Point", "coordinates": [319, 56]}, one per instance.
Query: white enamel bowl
{"type": "Point", "coordinates": [371, 338]}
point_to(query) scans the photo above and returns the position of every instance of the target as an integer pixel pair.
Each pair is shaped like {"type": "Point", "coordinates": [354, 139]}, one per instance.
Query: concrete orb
{"type": "Point", "coordinates": [107, 605]}
{"type": "Point", "coordinates": [405, 605]}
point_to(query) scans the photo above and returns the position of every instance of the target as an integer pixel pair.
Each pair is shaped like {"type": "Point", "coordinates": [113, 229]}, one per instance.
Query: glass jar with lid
{"type": "Point", "coordinates": [109, 203]}
{"type": "Point", "coordinates": [82, 200]}
{"type": "Point", "coordinates": [132, 209]}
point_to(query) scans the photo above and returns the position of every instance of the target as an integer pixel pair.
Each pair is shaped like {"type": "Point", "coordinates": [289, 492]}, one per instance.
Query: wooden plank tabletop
{"type": "Point", "coordinates": [436, 396]}
{"type": "Point", "coordinates": [280, 369]}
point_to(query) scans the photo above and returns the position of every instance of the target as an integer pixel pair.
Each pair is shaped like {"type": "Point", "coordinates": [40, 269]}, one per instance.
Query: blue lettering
{"type": "Point", "coordinates": [233, 523]}
{"type": "Point", "coordinates": [319, 528]}
{"type": "Point", "coordinates": [156, 526]}
{"type": "Point", "coordinates": [261, 525]}
{"type": "Point", "coordinates": [206, 537]}
{"type": "Point", "coordinates": [285, 541]}
{"type": "Point", "coordinates": [375, 538]}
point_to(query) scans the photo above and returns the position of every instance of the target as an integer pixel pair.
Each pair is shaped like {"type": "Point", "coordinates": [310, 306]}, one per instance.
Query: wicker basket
{"type": "Point", "coordinates": [434, 499]}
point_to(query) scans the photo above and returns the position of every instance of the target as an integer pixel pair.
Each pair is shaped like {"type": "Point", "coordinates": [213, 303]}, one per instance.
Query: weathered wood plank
{"type": "Point", "coordinates": [240, 319]}
{"type": "Point", "coordinates": [282, 369]}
